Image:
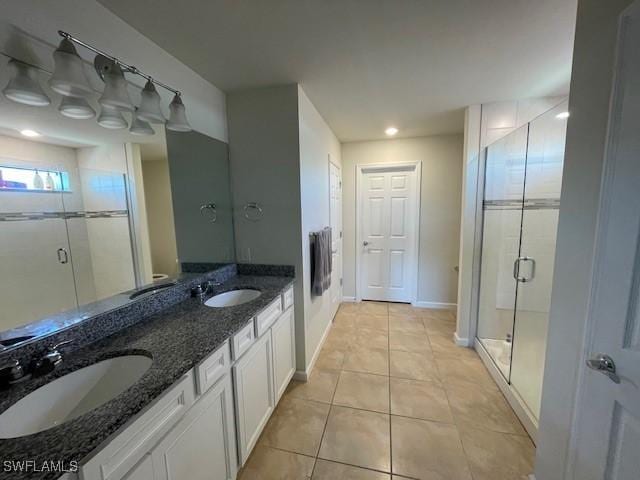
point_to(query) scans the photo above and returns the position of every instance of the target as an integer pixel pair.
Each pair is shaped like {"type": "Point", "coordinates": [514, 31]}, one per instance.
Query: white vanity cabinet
{"type": "Point", "coordinates": [207, 423]}
{"type": "Point", "coordinates": [181, 435]}
{"type": "Point", "coordinates": [262, 374]}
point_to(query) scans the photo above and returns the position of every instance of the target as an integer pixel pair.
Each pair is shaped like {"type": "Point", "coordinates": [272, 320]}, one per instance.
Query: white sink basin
{"type": "Point", "coordinates": [72, 395]}
{"type": "Point", "coordinates": [232, 298]}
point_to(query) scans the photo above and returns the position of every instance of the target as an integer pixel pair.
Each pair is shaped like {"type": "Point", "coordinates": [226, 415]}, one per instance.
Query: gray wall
{"type": "Point", "coordinates": [199, 173]}
{"type": "Point", "coordinates": [591, 82]}
{"type": "Point", "coordinates": [265, 161]}
{"type": "Point", "coordinates": [441, 158]}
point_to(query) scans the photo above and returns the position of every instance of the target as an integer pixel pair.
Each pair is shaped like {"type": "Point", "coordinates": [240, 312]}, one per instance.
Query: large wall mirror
{"type": "Point", "coordinates": [89, 214]}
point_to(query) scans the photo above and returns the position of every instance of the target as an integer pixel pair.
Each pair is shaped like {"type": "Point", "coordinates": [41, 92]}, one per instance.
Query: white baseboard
{"type": "Point", "coordinates": [525, 416]}
{"type": "Point", "coordinates": [300, 376]}
{"type": "Point", "coordinates": [462, 341]}
{"type": "Point", "coordinates": [437, 305]}
{"type": "Point", "coordinates": [349, 299]}
{"type": "Point", "coordinates": [303, 375]}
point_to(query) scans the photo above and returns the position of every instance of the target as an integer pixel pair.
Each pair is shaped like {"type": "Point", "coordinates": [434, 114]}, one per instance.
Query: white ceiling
{"type": "Point", "coordinates": [368, 64]}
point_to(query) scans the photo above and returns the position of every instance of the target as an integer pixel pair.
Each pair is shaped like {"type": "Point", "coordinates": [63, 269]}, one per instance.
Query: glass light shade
{"type": "Point", "coordinates": [69, 77]}
{"type": "Point", "coordinates": [112, 118]}
{"type": "Point", "coordinates": [77, 108]}
{"type": "Point", "coordinates": [115, 92]}
{"type": "Point", "coordinates": [178, 116]}
{"type": "Point", "coordinates": [139, 126]}
{"type": "Point", "coordinates": [24, 86]}
{"type": "Point", "coordinates": [150, 110]}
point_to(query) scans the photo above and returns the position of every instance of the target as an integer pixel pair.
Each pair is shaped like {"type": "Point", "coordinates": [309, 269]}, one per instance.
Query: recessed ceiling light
{"type": "Point", "coordinates": [391, 131]}
{"type": "Point", "coordinates": [29, 133]}
{"type": "Point", "coordinates": [563, 115]}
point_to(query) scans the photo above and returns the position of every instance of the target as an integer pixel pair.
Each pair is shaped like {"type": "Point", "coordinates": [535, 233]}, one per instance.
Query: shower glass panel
{"type": "Point", "coordinates": [545, 159]}
{"type": "Point", "coordinates": [523, 176]}
{"type": "Point", "coordinates": [99, 234]}
{"type": "Point", "coordinates": [35, 258]}
{"type": "Point", "coordinates": [502, 218]}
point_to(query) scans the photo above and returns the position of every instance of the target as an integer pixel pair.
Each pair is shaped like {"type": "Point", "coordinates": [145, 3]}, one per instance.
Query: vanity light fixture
{"type": "Point", "coordinates": [391, 131]}
{"type": "Point", "coordinates": [563, 115]}
{"type": "Point", "coordinates": [23, 87]}
{"type": "Point", "coordinates": [115, 92]}
{"type": "Point", "coordinates": [150, 110]}
{"type": "Point", "coordinates": [69, 78]}
{"type": "Point", "coordinates": [77, 108]}
{"type": "Point", "coordinates": [29, 133]}
{"type": "Point", "coordinates": [112, 118]}
{"type": "Point", "coordinates": [178, 117]}
{"type": "Point", "coordinates": [139, 126]}
{"type": "Point", "coordinates": [147, 110]}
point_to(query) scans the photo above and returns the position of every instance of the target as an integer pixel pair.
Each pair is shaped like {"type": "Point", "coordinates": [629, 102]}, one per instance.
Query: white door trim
{"type": "Point", "coordinates": [416, 243]}
{"type": "Point", "coordinates": [340, 236]}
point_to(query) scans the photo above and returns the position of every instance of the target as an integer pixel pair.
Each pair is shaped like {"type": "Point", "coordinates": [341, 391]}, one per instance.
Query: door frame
{"type": "Point", "coordinates": [341, 236]}
{"type": "Point", "coordinates": [358, 210]}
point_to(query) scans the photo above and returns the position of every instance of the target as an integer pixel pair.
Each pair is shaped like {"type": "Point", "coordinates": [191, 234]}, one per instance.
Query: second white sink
{"type": "Point", "coordinates": [232, 298]}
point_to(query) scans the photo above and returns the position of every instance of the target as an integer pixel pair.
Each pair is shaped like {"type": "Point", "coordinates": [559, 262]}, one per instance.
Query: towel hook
{"type": "Point", "coordinates": [209, 207]}
{"type": "Point", "coordinates": [253, 206]}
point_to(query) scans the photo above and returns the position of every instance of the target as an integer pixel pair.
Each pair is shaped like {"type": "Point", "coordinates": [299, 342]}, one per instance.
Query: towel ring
{"type": "Point", "coordinates": [209, 207]}
{"type": "Point", "coordinates": [253, 206]}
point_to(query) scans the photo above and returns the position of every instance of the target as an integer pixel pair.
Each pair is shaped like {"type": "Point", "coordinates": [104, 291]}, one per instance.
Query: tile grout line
{"type": "Point", "coordinates": [389, 367]}
{"type": "Point", "coordinates": [326, 422]}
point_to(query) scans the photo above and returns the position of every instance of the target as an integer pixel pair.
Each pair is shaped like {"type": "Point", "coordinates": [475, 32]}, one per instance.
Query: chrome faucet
{"type": "Point", "coordinates": [49, 361]}
{"type": "Point", "coordinates": [11, 372]}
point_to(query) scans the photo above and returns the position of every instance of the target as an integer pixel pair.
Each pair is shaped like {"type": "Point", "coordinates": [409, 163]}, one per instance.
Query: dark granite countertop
{"type": "Point", "coordinates": [177, 339]}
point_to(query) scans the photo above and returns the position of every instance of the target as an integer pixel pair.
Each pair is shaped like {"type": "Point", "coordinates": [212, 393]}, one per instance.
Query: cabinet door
{"type": "Point", "coordinates": [284, 354]}
{"type": "Point", "coordinates": [253, 383]}
{"type": "Point", "coordinates": [202, 445]}
{"type": "Point", "coordinates": [142, 471]}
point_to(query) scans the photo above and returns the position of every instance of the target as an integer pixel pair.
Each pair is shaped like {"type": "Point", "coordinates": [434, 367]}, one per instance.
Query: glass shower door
{"type": "Point", "coordinates": [35, 259]}
{"type": "Point", "coordinates": [502, 218]}
{"type": "Point", "coordinates": [545, 157]}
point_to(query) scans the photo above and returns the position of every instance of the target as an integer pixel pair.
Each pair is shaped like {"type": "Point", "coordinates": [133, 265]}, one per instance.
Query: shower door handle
{"type": "Point", "coordinates": [533, 267]}
{"type": "Point", "coordinates": [516, 269]}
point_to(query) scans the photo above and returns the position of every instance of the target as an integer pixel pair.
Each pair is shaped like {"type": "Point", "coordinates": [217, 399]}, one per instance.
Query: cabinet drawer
{"type": "Point", "coordinates": [213, 368]}
{"type": "Point", "coordinates": [287, 298]}
{"type": "Point", "coordinates": [127, 448]}
{"type": "Point", "coordinates": [269, 315]}
{"type": "Point", "coordinates": [242, 341]}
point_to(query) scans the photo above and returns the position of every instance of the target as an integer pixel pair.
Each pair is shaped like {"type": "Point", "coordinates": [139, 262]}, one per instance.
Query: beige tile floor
{"type": "Point", "coordinates": [392, 397]}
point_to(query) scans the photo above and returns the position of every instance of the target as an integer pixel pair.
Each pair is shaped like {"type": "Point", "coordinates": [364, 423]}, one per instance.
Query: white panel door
{"type": "Point", "coordinates": [607, 435]}
{"type": "Point", "coordinates": [335, 204]}
{"type": "Point", "coordinates": [388, 233]}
